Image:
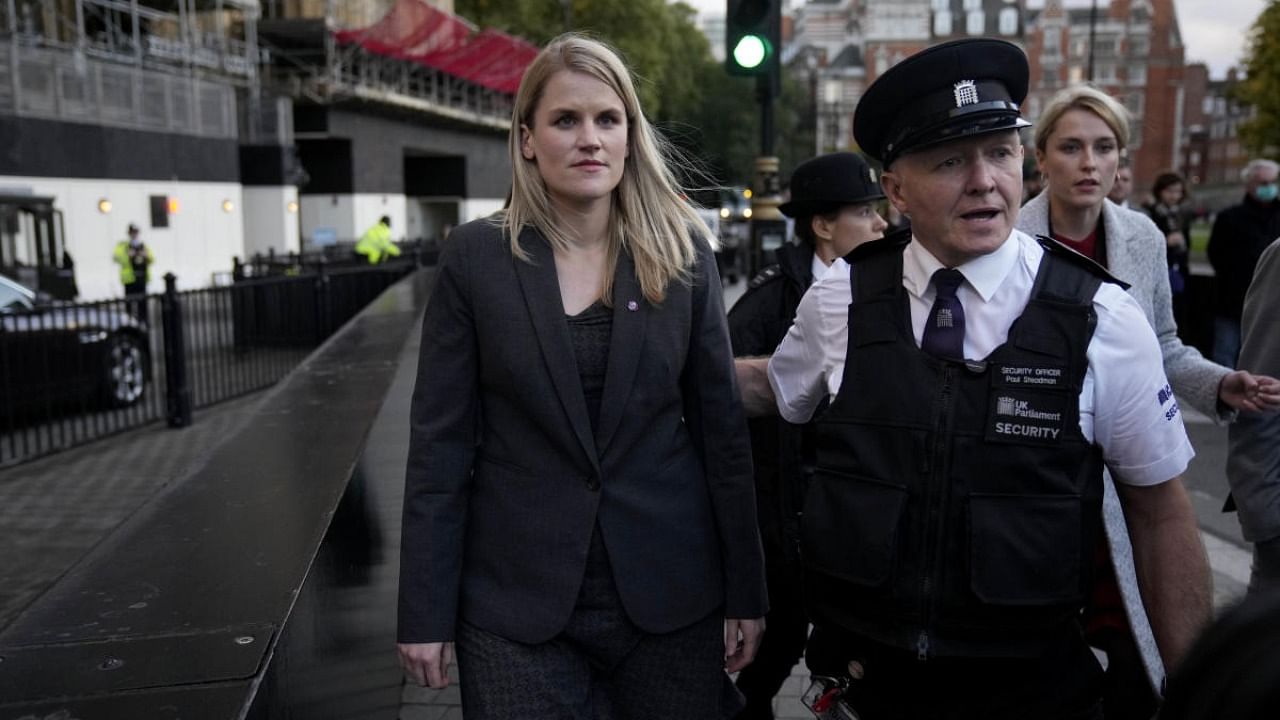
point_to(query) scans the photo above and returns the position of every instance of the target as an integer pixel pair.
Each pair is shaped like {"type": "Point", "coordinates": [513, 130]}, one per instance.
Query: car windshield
{"type": "Point", "coordinates": [13, 298]}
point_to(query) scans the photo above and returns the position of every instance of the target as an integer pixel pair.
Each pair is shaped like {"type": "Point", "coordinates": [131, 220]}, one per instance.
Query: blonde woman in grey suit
{"type": "Point", "coordinates": [1078, 140]}
{"type": "Point", "coordinates": [579, 514]}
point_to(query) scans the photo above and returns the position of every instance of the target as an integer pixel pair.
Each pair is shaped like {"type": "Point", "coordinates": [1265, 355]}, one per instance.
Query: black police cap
{"type": "Point", "coordinates": [829, 182]}
{"type": "Point", "coordinates": [954, 90]}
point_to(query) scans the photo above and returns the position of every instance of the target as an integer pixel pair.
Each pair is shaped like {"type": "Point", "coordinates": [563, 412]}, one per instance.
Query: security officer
{"type": "Point", "coordinates": [376, 243]}
{"type": "Point", "coordinates": [978, 379]}
{"type": "Point", "coordinates": [135, 260]}
{"type": "Point", "coordinates": [833, 201]}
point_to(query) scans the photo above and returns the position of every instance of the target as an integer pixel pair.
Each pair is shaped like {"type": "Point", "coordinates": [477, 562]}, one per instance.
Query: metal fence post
{"type": "Point", "coordinates": [177, 393]}
{"type": "Point", "coordinates": [322, 302]}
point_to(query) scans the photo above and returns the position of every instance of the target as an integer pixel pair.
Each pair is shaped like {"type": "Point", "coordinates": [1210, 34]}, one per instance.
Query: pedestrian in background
{"type": "Point", "coordinates": [135, 260]}
{"type": "Point", "coordinates": [1240, 234]}
{"type": "Point", "coordinates": [1123, 187]}
{"type": "Point", "coordinates": [1079, 139]}
{"type": "Point", "coordinates": [978, 380]}
{"type": "Point", "coordinates": [579, 515]}
{"type": "Point", "coordinates": [1253, 458]}
{"type": "Point", "coordinates": [1171, 214]}
{"type": "Point", "coordinates": [375, 245]}
{"type": "Point", "coordinates": [833, 201]}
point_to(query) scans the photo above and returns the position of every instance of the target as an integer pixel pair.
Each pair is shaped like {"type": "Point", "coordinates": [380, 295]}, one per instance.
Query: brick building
{"type": "Point", "coordinates": [1136, 56]}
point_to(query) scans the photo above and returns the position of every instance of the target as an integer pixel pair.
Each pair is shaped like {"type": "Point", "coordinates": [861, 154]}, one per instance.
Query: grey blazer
{"type": "Point", "coordinates": [507, 481]}
{"type": "Point", "coordinates": [1253, 462]}
{"type": "Point", "coordinates": [1136, 255]}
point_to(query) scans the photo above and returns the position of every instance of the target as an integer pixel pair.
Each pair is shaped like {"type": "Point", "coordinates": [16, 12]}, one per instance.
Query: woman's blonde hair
{"type": "Point", "coordinates": [650, 218]}
{"type": "Point", "coordinates": [1083, 97]}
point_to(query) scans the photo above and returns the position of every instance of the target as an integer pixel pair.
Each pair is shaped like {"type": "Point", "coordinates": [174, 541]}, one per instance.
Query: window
{"type": "Point", "coordinates": [941, 5]}
{"type": "Point", "coordinates": [1009, 21]}
{"type": "Point", "coordinates": [1052, 43]}
{"type": "Point", "coordinates": [1139, 46]}
{"type": "Point", "coordinates": [1136, 102]}
{"type": "Point", "coordinates": [975, 22]}
{"type": "Point", "coordinates": [1138, 74]}
{"type": "Point", "coordinates": [159, 211]}
{"type": "Point", "coordinates": [942, 23]}
{"type": "Point", "coordinates": [1140, 13]}
{"type": "Point", "coordinates": [1104, 73]}
{"type": "Point", "coordinates": [972, 5]}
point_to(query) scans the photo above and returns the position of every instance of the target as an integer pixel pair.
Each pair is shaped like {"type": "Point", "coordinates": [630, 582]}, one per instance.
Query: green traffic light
{"type": "Point", "coordinates": [750, 51]}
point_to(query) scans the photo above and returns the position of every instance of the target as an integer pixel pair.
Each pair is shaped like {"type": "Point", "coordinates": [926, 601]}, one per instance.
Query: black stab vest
{"type": "Point", "coordinates": [956, 505]}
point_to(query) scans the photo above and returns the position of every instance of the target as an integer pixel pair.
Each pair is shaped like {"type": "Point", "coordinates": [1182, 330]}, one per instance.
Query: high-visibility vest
{"type": "Point", "coordinates": [121, 257]}
{"type": "Point", "coordinates": [376, 244]}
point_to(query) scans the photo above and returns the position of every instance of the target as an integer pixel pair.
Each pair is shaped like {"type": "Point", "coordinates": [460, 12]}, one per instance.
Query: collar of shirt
{"type": "Point", "coordinates": [819, 268]}
{"type": "Point", "coordinates": [983, 274]}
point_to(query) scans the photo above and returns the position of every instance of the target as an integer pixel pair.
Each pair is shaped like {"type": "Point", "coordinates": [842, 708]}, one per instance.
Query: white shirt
{"type": "Point", "coordinates": [817, 268]}
{"type": "Point", "coordinates": [1126, 406]}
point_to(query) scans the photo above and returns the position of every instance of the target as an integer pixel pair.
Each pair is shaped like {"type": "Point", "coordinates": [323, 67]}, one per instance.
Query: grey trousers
{"type": "Point", "coordinates": [600, 667]}
{"type": "Point", "coordinates": [1266, 567]}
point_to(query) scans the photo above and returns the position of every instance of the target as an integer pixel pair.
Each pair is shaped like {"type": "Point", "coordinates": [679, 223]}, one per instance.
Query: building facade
{"type": "Point", "coordinates": [1132, 49]}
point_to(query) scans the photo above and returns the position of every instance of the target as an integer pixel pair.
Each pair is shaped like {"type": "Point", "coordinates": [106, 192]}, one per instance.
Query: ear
{"type": "Point", "coordinates": [891, 184]}
{"type": "Point", "coordinates": [821, 227]}
{"type": "Point", "coordinates": [526, 142]}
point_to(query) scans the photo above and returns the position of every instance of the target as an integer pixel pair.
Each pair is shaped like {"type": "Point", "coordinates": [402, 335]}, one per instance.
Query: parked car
{"type": "Point", "coordinates": [54, 355]}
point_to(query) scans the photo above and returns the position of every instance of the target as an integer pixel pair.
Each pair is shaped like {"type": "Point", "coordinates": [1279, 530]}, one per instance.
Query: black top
{"type": "Point", "coordinates": [590, 331]}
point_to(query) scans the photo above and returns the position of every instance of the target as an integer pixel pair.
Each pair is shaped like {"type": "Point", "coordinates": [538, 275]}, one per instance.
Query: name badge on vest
{"type": "Point", "coordinates": [1027, 417]}
{"type": "Point", "coordinates": [1039, 377]}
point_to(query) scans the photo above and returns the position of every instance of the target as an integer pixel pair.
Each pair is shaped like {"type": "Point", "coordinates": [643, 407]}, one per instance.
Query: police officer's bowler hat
{"type": "Point", "coordinates": [829, 182]}
{"type": "Point", "coordinates": [955, 90]}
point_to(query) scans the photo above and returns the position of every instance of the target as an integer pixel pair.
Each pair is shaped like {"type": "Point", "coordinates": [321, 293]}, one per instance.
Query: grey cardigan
{"type": "Point", "coordinates": [1136, 255]}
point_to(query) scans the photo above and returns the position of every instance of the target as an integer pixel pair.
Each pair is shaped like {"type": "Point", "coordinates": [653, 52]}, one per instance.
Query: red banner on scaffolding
{"type": "Point", "coordinates": [417, 32]}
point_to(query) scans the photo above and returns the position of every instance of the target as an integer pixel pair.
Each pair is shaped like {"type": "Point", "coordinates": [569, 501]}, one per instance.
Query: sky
{"type": "Point", "coordinates": [1214, 31]}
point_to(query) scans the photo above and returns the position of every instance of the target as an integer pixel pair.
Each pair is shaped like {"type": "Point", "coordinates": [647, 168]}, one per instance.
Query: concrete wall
{"type": "Point", "coordinates": [269, 223]}
{"type": "Point", "coordinates": [349, 216]}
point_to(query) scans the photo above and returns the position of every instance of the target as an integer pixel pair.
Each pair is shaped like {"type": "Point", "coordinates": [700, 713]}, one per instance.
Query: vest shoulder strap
{"type": "Point", "coordinates": [876, 267]}
{"type": "Point", "coordinates": [1068, 256]}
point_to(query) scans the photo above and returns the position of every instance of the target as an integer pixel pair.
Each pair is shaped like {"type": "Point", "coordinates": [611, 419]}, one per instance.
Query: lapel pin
{"type": "Point", "coordinates": [632, 305]}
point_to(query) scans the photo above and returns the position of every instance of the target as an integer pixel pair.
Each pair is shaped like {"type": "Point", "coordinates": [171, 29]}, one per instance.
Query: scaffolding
{"type": "Point", "coordinates": [218, 68]}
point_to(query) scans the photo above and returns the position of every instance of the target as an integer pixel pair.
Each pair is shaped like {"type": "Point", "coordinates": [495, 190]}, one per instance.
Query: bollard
{"type": "Point", "coordinates": [322, 302]}
{"type": "Point", "coordinates": [177, 393]}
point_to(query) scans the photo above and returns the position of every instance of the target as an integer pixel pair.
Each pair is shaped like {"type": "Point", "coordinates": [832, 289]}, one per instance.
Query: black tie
{"type": "Point", "coordinates": [944, 331]}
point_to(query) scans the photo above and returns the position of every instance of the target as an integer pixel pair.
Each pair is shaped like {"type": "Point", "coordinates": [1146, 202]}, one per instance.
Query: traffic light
{"type": "Point", "coordinates": [752, 36]}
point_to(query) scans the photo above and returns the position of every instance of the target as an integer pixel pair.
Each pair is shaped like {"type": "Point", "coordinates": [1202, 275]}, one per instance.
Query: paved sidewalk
{"type": "Point", "coordinates": [54, 510]}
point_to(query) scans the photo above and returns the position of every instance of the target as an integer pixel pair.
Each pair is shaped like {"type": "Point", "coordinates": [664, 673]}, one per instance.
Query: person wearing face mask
{"type": "Point", "coordinates": [1239, 236]}
{"type": "Point", "coordinates": [833, 202]}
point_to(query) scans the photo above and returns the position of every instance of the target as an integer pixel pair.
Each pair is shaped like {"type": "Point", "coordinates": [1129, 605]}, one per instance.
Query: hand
{"type": "Point", "coordinates": [741, 640]}
{"type": "Point", "coordinates": [426, 662]}
{"type": "Point", "coordinates": [1244, 391]}
{"type": "Point", "coordinates": [1175, 240]}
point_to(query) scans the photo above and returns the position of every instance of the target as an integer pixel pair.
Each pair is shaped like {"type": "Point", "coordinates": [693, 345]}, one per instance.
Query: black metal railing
{"type": "Point", "coordinates": [73, 373]}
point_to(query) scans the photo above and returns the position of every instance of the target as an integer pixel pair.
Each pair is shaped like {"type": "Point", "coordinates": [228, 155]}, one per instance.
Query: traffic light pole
{"type": "Point", "coordinates": [768, 228]}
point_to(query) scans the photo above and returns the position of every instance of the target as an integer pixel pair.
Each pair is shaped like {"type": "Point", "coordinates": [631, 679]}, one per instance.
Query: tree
{"type": "Point", "coordinates": [711, 117]}
{"type": "Point", "coordinates": [1261, 85]}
